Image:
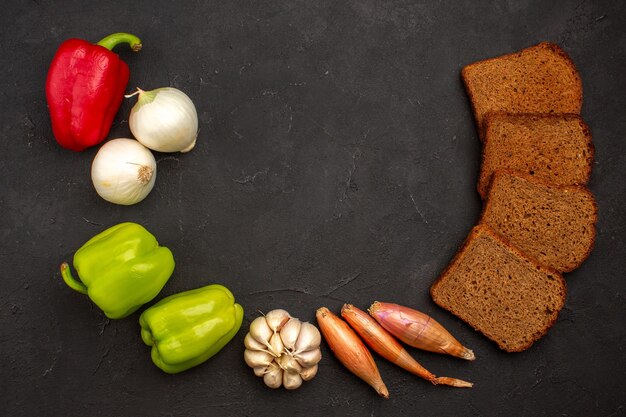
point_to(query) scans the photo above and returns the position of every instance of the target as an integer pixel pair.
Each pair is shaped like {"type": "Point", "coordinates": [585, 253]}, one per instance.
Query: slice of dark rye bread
{"type": "Point", "coordinates": [557, 147]}
{"type": "Point", "coordinates": [538, 79]}
{"type": "Point", "coordinates": [499, 291]}
{"type": "Point", "coordinates": [554, 224]}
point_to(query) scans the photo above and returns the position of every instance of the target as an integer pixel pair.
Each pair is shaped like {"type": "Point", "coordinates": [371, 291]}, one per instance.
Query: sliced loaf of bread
{"type": "Point", "coordinates": [499, 291]}
{"type": "Point", "coordinates": [538, 79]}
{"type": "Point", "coordinates": [555, 147]}
{"type": "Point", "coordinates": [554, 224]}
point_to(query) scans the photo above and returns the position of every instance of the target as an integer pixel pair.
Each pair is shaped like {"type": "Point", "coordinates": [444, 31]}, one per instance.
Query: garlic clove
{"type": "Point", "coordinates": [308, 338]}
{"type": "Point", "coordinates": [289, 364]}
{"type": "Point", "coordinates": [277, 318]}
{"type": "Point", "coordinates": [260, 331]}
{"type": "Point", "coordinates": [291, 380]}
{"type": "Point", "coordinates": [273, 377]}
{"type": "Point", "coordinates": [260, 370]}
{"type": "Point", "coordinates": [276, 344]}
{"type": "Point", "coordinates": [309, 357]}
{"type": "Point", "coordinates": [308, 373]}
{"type": "Point", "coordinates": [289, 333]}
{"type": "Point", "coordinates": [256, 358]}
{"type": "Point", "coordinates": [251, 343]}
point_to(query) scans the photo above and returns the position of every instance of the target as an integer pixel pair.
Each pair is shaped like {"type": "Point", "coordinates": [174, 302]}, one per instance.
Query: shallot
{"type": "Point", "coordinates": [386, 346]}
{"type": "Point", "coordinates": [418, 330]}
{"type": "Point", "coordinates": [350, 350]}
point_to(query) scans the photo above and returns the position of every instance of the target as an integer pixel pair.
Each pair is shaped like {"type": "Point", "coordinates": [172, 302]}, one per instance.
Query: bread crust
{"type": "Point", "coordinates": [484, 228]}
{"type": "Point", "coordinates": [570, 62]}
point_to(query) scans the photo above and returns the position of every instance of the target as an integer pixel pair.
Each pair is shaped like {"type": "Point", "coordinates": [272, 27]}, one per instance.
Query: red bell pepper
{"type": "Point", "coordinates": [85, 87]}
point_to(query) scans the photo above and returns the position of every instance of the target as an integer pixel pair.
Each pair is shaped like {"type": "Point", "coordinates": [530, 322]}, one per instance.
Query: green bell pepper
{"type": "Point", "coordinates": [120, 269]}
{"type": "Point", "coordinates": [187, 328]}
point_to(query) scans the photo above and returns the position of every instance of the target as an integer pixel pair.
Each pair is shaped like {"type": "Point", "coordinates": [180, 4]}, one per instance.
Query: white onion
{"type": "Point", "coordinates": [123, 171]}
{"type": "Point", "coordinates": [164, 120]}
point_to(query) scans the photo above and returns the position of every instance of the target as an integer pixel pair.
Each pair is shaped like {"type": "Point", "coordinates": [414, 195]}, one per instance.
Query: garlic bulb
{"type": "Point", "coordinates": [282, 350]}
{"type": "Point", "coordinates": [123, 171]}
{"type": "Point", "coordinates": [164, 120]}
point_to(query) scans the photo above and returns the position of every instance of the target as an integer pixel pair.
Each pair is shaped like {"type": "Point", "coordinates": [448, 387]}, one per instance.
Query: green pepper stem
{"type": "Point", "coordinates": [70, 281]}
{"type": "Point", "coordinates": [115, 39]}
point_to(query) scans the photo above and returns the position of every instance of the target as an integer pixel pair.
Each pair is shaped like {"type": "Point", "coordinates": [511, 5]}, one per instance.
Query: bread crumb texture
{"type": "Point", "coordinates": [500, 292]}
{"type": "Point", "coordinates": [552, 224]}
{"type": "Point", "coordinates": [557, 148]}
{"type": "Point", "coordinates": [538, 79]}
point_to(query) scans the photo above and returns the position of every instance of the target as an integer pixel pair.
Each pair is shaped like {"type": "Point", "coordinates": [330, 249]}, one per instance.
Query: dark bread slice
{"type": "Point", "coordinates": [538, 79]}
{"type": "Point", "coordinates": [499, 291]}
{"type": "Point", "coordinates": [554, 224]}
{"type": "Point", "coordinates": [555, 147]}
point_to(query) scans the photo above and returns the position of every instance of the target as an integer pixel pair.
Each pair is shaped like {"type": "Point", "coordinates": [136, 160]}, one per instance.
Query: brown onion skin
{"type": "Point", "coordinates": [377, 338]}
{"type": "Point", "coordinates": [418, 330]}
{"type": "Point", "coordinates": [350, 350]}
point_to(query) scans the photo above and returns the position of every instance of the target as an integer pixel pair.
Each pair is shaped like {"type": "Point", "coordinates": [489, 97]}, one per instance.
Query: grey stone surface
{"type": "Point", "coordinates": [336, 162]}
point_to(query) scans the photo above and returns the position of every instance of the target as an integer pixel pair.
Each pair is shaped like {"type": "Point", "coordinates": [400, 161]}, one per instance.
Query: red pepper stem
{"type": "Point", "coordinates": [66, 274]}
{"type": "Point", "coordinates": [115, 39]}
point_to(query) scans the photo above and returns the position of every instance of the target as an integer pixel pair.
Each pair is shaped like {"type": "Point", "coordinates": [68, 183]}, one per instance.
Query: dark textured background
{"type": "Point", "coordinates": [336, 162]}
